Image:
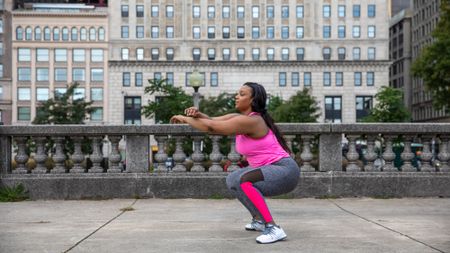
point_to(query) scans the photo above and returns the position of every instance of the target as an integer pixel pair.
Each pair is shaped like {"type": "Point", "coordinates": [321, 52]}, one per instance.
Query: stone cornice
{"type": "Point", "coordinates": [59, 14]}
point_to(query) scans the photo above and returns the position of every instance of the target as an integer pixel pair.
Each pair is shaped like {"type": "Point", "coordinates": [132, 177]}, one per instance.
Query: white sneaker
{"type": "Point", "coordinates": [271, 234]}
{"type": "Point", "coordinates": [255, 225]}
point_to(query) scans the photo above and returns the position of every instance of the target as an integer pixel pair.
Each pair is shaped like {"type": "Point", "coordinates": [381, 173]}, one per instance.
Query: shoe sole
{"type": "Point", "coordinates": [251, 229]}
{"type": "Point", "coordinates": [281, 239]}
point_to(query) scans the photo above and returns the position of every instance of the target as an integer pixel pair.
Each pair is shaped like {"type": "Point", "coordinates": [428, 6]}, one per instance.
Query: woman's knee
{"type": "Point", "coordinates": [232, 181]}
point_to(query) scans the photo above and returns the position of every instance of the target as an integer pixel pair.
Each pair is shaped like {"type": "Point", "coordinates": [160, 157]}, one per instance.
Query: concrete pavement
{"type": "Point", "coordinates": [207, 225]}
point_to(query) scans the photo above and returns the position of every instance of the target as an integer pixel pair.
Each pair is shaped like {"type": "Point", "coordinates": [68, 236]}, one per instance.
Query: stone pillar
{"type": "Point", "coordinates": [40, 156]}
{"type": "Point", "coordinates": [114, 156]}
{"type": "Point", "coordinates": [388, 154]}
{"type": "Point", "coordinates": [5, 154]}
{"type": "Point", "coordinates": [179, 156]}
{"type": "Point", "coordinates": [352, 154]}
{"type": "Point", "coordinates": [426, 154]}
{"type": "Point", "coordinates": [407, 155]}
{"type": "Point", "coordinates": [306, 154]}
{"type": "Point", "coordinates": [289, 139]}
{"type": "Point", "coordinates": [330, 152]}
{"type": "Point", "coordinates": [233, 156]}
{"type": "Point", "coordinates": [161, 155]}
{"type": "Point", "coordinates": [444, 155]}
{"type": "Point", "coordinates": [137, 153]}
{"type": "Point", "coordinates": [371, 155]}
{"type": "Point", "coordinates": [59, 157]}
{"type": "Point", "coordinates": [197, 156]}
{"type": "Point", "coordinates": [21, 157]}
{"type": "Point", "coordinates": [77, 156]}
{"type": "Point", "coordinates": [96, 156]}
{"type": "Point", "coordinates": [216, 156]}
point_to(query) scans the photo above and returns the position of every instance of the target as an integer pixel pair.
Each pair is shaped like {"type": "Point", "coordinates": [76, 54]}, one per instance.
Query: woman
{"type": "Point", "coordinates": [271, 170]}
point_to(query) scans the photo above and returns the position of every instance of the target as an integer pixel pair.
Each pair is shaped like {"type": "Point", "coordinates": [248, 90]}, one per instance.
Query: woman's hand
{"type": "Point", "coordinates": [178, 119]}
{"type": "Point", "coordinates": [192, 112]}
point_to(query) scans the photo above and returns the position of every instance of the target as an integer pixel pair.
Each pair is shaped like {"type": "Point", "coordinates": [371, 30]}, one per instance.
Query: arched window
{"type": "Point", "coordinates": [56, 34]}
{"type": "Point", "coordinates": [65, 34]}
{"type": "Point", "coordinates": [19, 33]}
{"type": "Point", "coordinates": [28, 33]}
{"type": "Point", "coordinates": [74, 33]}
{"type": "Point", "coordinates": [83, 33]}
{"type": "Point", "coordinates": [92, 34]}
{"type": "Point", "coordinates": [101, 33]}
{"type": "Point", "coordinates": [47, 33]}
{"type": "Point", "coordinates": [37, 33]}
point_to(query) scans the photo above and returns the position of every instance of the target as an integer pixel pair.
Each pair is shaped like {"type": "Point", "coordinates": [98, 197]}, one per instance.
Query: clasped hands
{"type": "Point", "coordinates": [182, 119]}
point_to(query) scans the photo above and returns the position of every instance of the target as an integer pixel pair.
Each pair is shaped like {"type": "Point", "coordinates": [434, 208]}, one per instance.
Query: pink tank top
{"type": "Point", "coordinates": [262, 151]}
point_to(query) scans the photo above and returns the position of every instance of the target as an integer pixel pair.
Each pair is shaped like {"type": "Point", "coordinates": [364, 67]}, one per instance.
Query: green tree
{"type": "Point", "coordinates": [63, 109]}
{"type": "Point", "coordinates": [390, 107]}
{"type": "Point", "coordinates": [274, 103]}
{"type": "Point", "coordinates": [433, 64]}
{"type": "Point", "coordinates": [216, 106]}
{"type": "Point", "coordinates": [302, 107]}
{"type": "Point", "coordinates": [169, 101]}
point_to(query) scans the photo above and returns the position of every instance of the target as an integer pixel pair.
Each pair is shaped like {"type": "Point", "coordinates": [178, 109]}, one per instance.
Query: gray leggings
{"type": "Point", "coordinates": [279, 178]}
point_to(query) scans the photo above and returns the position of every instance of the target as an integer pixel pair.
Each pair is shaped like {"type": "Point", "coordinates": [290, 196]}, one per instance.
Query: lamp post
{"type": "Point", "coordinates": [196, 80]}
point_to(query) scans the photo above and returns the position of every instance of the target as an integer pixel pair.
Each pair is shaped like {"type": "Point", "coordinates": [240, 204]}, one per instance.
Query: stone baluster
{"type": "Point", "coordinates": [352, 154]}
{"type": "Point", "coordinates": [444, 155]}
{"type": "Point", "coordinates": [161, 155]}
{"type": "Point", "coordinates": [21, 157]}
{"type": "Point", "coordinates": [96, 156]}
{"type": "Point", "coordinates": [197, 156]}
{"type": "Point", "coordinates": [289, 139]}
{"type": "Point", "coordinates": [114, 157]}
{"type": "Point", "coordinates": [306, 154]}
{"type": "Point", "coordinates": [407, 155]}
{"type": "Point", "coordinates": [59, 157]}
{"type": "Point", "coordinates": [215, 155]}
{"type": "Point", "coordinates": [40, 156]}
{"type": "Point", "coordinates": [179, 156]}
{"type": "Point", "coordinates": [388, 154]}
{"type": "Point", "coordinates": [371, 155]}
{"type": "Point", "coordinates": [77, 156]}
{"type": "Point", "coordinates": [426, 155]}
{"type": "Point", "coordinates": [233, 156]}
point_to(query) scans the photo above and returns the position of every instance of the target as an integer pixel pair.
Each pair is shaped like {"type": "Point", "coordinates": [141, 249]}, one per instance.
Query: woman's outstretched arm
{"type": "Point", "coordinates": [195, 113]}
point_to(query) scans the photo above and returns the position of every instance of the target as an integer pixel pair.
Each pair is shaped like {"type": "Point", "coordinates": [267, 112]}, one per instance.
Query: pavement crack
{"type": "Point", "coordinates": [385, 227]}
{"type": "Point", "coordinates": [102, 226]}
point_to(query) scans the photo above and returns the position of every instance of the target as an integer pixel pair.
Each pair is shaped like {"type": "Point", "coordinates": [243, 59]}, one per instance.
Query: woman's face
{"type": "Point", "coordinates": [243, 99]}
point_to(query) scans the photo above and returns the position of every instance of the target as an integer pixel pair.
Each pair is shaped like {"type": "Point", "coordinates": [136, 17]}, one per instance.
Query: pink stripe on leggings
{"type": "Point", "coordinates": [257, 200]}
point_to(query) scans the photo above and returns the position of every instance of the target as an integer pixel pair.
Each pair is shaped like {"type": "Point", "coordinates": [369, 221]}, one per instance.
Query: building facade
{"type": "Point", "coordinates": [5, 62]}
{"type": "Point", "coordinates": [424, 20]}
{"type": "Point", "coordinates": [339, 50]}
{"type": "Point", "coordinates": [54, 45]}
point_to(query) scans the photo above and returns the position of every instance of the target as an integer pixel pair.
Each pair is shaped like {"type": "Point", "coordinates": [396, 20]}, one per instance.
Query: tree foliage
{"type": "Point", "coordinates": [274, 103]}
{"type": "Point", "coordinates": [169, 101]}
{"type": "Point", "coordinates": [390, 107]}
{"type": "Point", "coordinates": [302, 107]}
{"type": "Point", "coordinates": [433, 64]}
{"type": "Point", "coordinates": [63, 109]}
{"type": "Point", "coordinates": [216, 106]}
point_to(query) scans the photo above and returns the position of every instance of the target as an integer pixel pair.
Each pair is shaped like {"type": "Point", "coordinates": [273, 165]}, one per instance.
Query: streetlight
{"type": "Point", "coordinates": [196, 80]}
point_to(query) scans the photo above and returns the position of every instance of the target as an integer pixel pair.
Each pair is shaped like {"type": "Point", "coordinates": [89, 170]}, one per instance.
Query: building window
{"type": "Point", "coordinates": [371, 10]}
{"type": "Point", "coordinates": [139, 54]}
{"type": "Point", "coordinates": [65, 34]}
{"type": "Point", "coordinates": [211, 54]}
{"type": "Point", "coordinates": [155, 11]}
{"type": "Point", "coordinates": [1, 48]}
{"type": "Point", "coordinates": [326, 51]}
{"type": "Point", "coordinates": [226, 54]}
{"type": "Point", "coordinates": [196, 32]}
{"type": "Point", "coordinates": [356, 31]}
{"type": "Point", "coordinates": [60, 74]}
{"type": "Point", "coordinates": [74, 34]}
{"type": "Point", "coordinates": [169, 32]}
{"type": "Point", "coordinates": [295, 79]}
{"type": "Point", "coordinates": [97, 114]}
{"type": "Point", "coordinates": [132, 112]}
{"type": "Point", "coordinates": [169, 11]}
{"type": "Point", "coordinates": [42, 55]}
{"type": "Point", "coordinates": [299, 32]}
{"type": "Point", "coordinates": [169, 77]}
{"type": "Point", "coordinates": [282, 78]}
{"type": "Point", "coordinates": [341, 11]}
{"type": "Point", "coordinates": [47, 33]}
{"type": "Point", "coordinates": [240, 32]}
{"type": "Point", "coordinates": [37, 33]}
{"type": "Point", "coordinates": [326, 78]}
{"type": "Point", "coordinates": [357, 78]}
{"type": "Point", "coordinates": [356, 53]}
{"type": "Point", "coordinates": [23, 94]}
{"type": "Point", "coordinates": [78, 94]}
{"type": "Point", "coordinates": [333, 111]}
{"type": "Point", "coordinates": [255, 54]}
{"type": "Point", "coordinates": [42, 94]}
{"type": "Point", "coordinates": [19, 33]}
{"type": "Point", "coordinates": [326, 31]}
{"type": "Point", "coordinates": [226, 32]}
{"type": "Point", "coordinates": [79, 55]}
{"type": "Point", "coordinates": [125, 53]}
{"type": "Point", "coordinates": [270, 54]}
{"type": "Point", "coordinates": [28, 33]}
{"type": "Point", "coordinates": [339, 78]}
{"type": "Point", "coordinates": [211, 32]}
{"type": "Point", "coordinates": [155, 32]}
{"type": "Point", "coordinates": [42, 74]}
{"type": "Point", "coordinates": [326, 11]}
{"type": "Point", "coordinates": [56, 34]}
{"type": "Point", "coordinates": [307, 79]}
{"type": "Point", "coordinates": [300, 54]}
{"type": "Point", "coordinates": [241, 54]}
{"type": "Point", "coordinates": [341, 31]}
{"type": "Point", "coordinates": [285, 54]}
{"type": "Point", "coordinates": [196, 11]}
{"type": "Point", "coordinates": [1, 75]}
{"type": "Point", "coordinates": [126, 79]}
{"type": "Point", "coordinates": [139, 31]}
{"type": "Point", "coordinates": [24, 74]}
{"type": "Point", "coordinates": [169, 54]}
{"type": "Point", "coordinates": [285, 11]}
{"type": "Point", "coordinates": [124, 32]}
{"type": "Point", "coordinates": [240, 12]}
{"type": "Point", "coordinates": [138, 79]}
{"type": "Point", "coordinates": [155, 54]}
{"type": "Point", "coordinates": [363, 107]}
{"type": "Point", "coordinates": [341, 53]}
{"type": "Point", "coordinates": [255, 12]}
{"type": "Point", "coordinates": [270, 32]}
{"type": "Point", "coordinates": [101, 34]}
{"type": "Point", "coordinates": [139, 11]}
{"type": "Point", "coordinates": [157, 76]}
{"type": "Point", "coordinates": [211, 12]}
{"type": "Point", "coordinates": [371, 31]}
{"type": "Point", "coordinates": [96, 55]}
{"type": "Point", "coordinates": [24, 54]}
{"type": "Point", "coordinates": [226, 11]}
{"type": "Point", "coordinates": [1, 31]}
{"type": "Point", "coordinates": [299, 11]}
{"type": "Point", "coordinates": [92, 34]}
{"type": "Point", "coordinates": [370, 78]}
{"type": "Point", "coordinates": [125, 11]}
{"type": "Point", "coordinates": [356, 10]}
{"type": "Point", "coordinates": [270, 10]}
{"type": "Point", "coordinates": [255, 32]}
{"type": "Point", "coordinates": [214, 79]}
{"type": "Point", "coordinates": [83, 33]}
{"type": "Point", "coordinates": [285, 32]}
{"type": "Point", "coordinates": [196, 53]}
{"type": "Point", "coordinates": [97, 75]}
{"type": "Point", "coordinates": [23, 113]}
{"type": "Point", "coordinates": [78, 74]}
{"type": "Point", "coordinates": [371, 53]}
